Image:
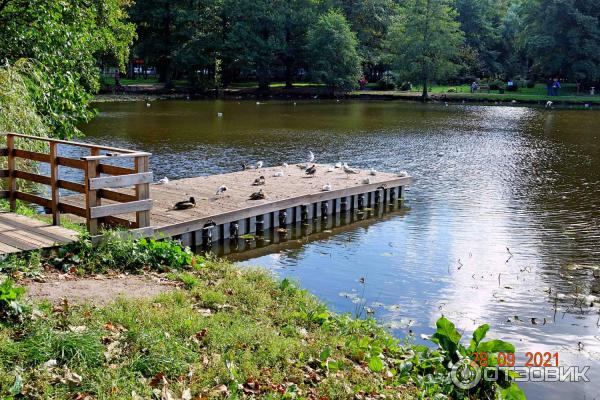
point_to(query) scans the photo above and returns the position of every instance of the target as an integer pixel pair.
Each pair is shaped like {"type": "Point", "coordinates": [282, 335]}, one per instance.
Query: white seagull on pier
{"type": "Point", "coordinates": [372, 171]}
{"type": "Point", "coordinates": [402, 174]}
{"type": "Point", "coordinates": [327, 187]}
{"type": "Point", "coordinates": [259, 164]}
{"type": "Point", "coordinates": [366, 181]}
{"type": "Point", "coordinates": [221, 189]}
{"type": "Point", "coordinates": [349, 170]}
{"type": "Point", "coordinates": [163, 181]}
{"type": "Point", "coordinates": [278, 173]}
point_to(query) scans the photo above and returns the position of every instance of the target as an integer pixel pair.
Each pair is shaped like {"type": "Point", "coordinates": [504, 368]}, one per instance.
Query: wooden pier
{"type": "Point", "coordinates": [112, 195]}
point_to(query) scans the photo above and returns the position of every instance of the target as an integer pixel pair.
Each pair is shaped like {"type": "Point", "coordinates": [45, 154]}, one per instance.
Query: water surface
{"type": "Point", "coordinates": [500, 224]}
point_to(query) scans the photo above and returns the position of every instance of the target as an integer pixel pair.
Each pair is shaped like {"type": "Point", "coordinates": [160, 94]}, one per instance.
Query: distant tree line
{"type": "Point", "coordinates": [214, 42]}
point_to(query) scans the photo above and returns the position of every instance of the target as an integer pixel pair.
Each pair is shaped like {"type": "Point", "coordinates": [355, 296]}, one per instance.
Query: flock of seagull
{"type": "Point", "coordinates": [309, 170]}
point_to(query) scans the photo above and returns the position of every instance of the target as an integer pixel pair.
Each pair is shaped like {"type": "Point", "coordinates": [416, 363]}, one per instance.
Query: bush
{"type": "Point", "coordinates": [405, 86]}
{"type": "Point", "coordinates": [496, 85]}
{"type": "Point", "coordinates": [10, 296]}
{"type": "Point", "coordinates": [530, 84]}
{"type": "Point", "coordinates": [122, 254]}
{"type": "Point", "coordinates": [387, 81]}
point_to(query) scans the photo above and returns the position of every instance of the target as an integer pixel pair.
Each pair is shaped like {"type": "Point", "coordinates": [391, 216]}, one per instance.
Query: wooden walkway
{"type": "Point", "coordinates": [19, 233]}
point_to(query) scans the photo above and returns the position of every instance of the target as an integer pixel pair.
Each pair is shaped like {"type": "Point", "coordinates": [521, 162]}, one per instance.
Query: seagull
{"type": "Point", "coordinates": [147, 104]}
{"type": "Point", "coordinates": [278, 173]}
{"type": "Point", "coordinates": [184, 205]}
{"type": "Point", "coordinates": [311, 171]}
{"type": "Point", "coordinates": [366, 181]}
{"type": "Point", "coordinates": [330, 169]}
{"type": "Point", "coordinates": [221, 189]}
{"type": "Point", "coordinates": [259, 181]}
{"type": "Point", "coordinates": [349, 170]}
{"type": "Point", "coordinates": [259, 164]}
{"type": "Point", "coordinates": [402, 174]}
{"type": "Point", "coordinates": [338, 164]}
{"type": "Point", "coordinates": [219, 114]}
{"type": "Point", "coordinates": [302, 166]}
{"type": "Point", "coordinates": [326, 187]}
{"type": "Point", "coordinates": [311, 156]}
{"type": "Point", "coordinates": [549, 104]}
{"type": "Point", "coordinates": [372, 171]}
{"type": "Point", "coordinates": [163, 181]}
{"type": "Point", "coordinates": [258, 195]}
{"type": "Point", "coordinates": [284, 165]}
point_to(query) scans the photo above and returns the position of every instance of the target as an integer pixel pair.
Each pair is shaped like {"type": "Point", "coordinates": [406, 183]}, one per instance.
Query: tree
{"type": "Point", "coordinates": [332, 48]}
{"type": "Point", "coordinates": [370, 19]}
{"type": "Point", "coordinates": [63, 41]}
{"type": "Point", "coordinates": [481, 22]}
{"type": "Point", "coordinates": [562, 37]}
{"type": "Point", "coordinates": [426, 41]}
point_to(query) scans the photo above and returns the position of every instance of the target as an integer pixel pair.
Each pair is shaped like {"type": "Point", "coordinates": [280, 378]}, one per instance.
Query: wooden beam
{"type": "Point", "coordinates": [72, 186]}
{"type": "Point", "coordinates": [44, 180]}
{"type": "Point", "coordinates": [32, 155]}
{"type": "Point", "coordinates": [71, 143]}
{"type": "Point", "coordinates": [70, 162]}
{"type": "Point", "coordinates": [114, 170]}
{"type": "Point", "coordinates": [123, 208]}
{"type": "Point", "coordinates": [142, 191]}
{"type": "Point", "coordinates": [116, 155]}
{"type": "Point", "coordinates": [31, 198]}
{"type": "Point", "coordinates": [116, 196]}
{"type": "Point", "coordinates": [120, 181]}
{"type": "Point", "coordinates": [91, 199]}
{"type": "Point", "coordinates": [71, 209]}
{"type": "Point", "coordinates": [12, 182]}
{"type": "Point", "coordinates": [54, 188]}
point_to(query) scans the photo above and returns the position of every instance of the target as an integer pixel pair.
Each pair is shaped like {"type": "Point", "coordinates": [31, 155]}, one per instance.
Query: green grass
{"type": "Point", "coordinates": [232, 331]}
{"type": "Point", "coordinates": [537, 93]}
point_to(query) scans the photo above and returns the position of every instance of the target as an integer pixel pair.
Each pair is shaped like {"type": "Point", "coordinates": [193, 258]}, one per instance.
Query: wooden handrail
{"type": "Point", "coordinates": [94, 188]}
{"type": "Point", "coordinates": [70, 143]}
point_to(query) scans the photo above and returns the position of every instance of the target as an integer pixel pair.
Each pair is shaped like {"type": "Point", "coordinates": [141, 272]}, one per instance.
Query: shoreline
{"type": "Point", "coordinates": [311, 93]}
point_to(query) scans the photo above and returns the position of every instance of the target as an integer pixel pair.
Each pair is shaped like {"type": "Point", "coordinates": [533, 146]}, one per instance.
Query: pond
{"type": "Point", "coordinates": [500, 226]}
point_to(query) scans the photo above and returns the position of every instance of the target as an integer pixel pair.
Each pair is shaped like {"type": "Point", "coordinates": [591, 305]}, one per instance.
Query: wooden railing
{"type": "Point", "coordinates": [99, 178]}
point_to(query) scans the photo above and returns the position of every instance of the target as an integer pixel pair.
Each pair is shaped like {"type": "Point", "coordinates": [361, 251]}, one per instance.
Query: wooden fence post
{"type": "Point", "coordinates": [91, 196]}
{"type": "Point", "coordinates": [55, 193]}
{"type": "Point", "coordinates": [12, 182]}
{"type": "Point", "coordinates": [142, 192]}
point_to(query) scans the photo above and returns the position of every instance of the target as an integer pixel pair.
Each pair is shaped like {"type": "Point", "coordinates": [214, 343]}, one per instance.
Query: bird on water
{"type": "Point", "coordinates": [258, 195]}
{"type": "Point", "coordinates": [185, 205]}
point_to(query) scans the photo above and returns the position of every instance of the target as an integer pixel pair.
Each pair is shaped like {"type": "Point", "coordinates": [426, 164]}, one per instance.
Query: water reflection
{"type": "Point", "coordinates": [503, 219]}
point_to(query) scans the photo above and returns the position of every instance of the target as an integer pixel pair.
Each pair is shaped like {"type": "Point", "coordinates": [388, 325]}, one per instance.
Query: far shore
{"type": "Point", "coordinates": [155, 92]}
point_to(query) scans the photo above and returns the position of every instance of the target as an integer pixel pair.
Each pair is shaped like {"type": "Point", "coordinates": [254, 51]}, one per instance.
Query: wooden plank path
{"type": "Point", "coordinates": [19, 233]}
{"type": "Point", "coordinates": [289, 198]}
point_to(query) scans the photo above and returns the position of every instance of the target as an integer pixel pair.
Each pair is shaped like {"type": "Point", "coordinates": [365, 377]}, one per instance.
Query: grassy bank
{"type": "Point", "coordinates": [227, 332]}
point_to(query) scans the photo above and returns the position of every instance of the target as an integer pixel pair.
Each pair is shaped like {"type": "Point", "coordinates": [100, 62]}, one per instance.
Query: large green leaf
{"type": "Point", "coordinates": [478, 336]}
{"type": "Point", "coordinates": [495, 346]}
{"type": "Point", "coordinates": [375, 364]}
{"type": "Point", "coordinates": [446, 336]}
{"type": "Point", "coordinates": [513, 392]}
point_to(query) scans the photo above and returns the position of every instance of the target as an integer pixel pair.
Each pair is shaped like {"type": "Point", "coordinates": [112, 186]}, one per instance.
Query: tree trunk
{"type": "Point", "coordinates": [424, 95]}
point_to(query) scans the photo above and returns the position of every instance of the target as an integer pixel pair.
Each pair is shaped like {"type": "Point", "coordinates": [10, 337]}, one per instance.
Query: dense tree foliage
{"type": "Point", "coordinates": [64, 42]}
{"type": "Point", "coordinates": [218, 41]}
{"type": "Point", "coordinates": [426, 44]}
{"type": "Point", "coordinates": [332, 45]}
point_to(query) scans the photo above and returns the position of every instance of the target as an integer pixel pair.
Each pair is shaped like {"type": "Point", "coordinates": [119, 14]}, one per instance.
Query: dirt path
{"type": "Point", "coordinates": [98, 290]}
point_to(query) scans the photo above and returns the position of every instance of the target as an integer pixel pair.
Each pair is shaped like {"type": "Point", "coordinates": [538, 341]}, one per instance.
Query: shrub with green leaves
{"type": "Point", "coordinates": [10, 296]}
